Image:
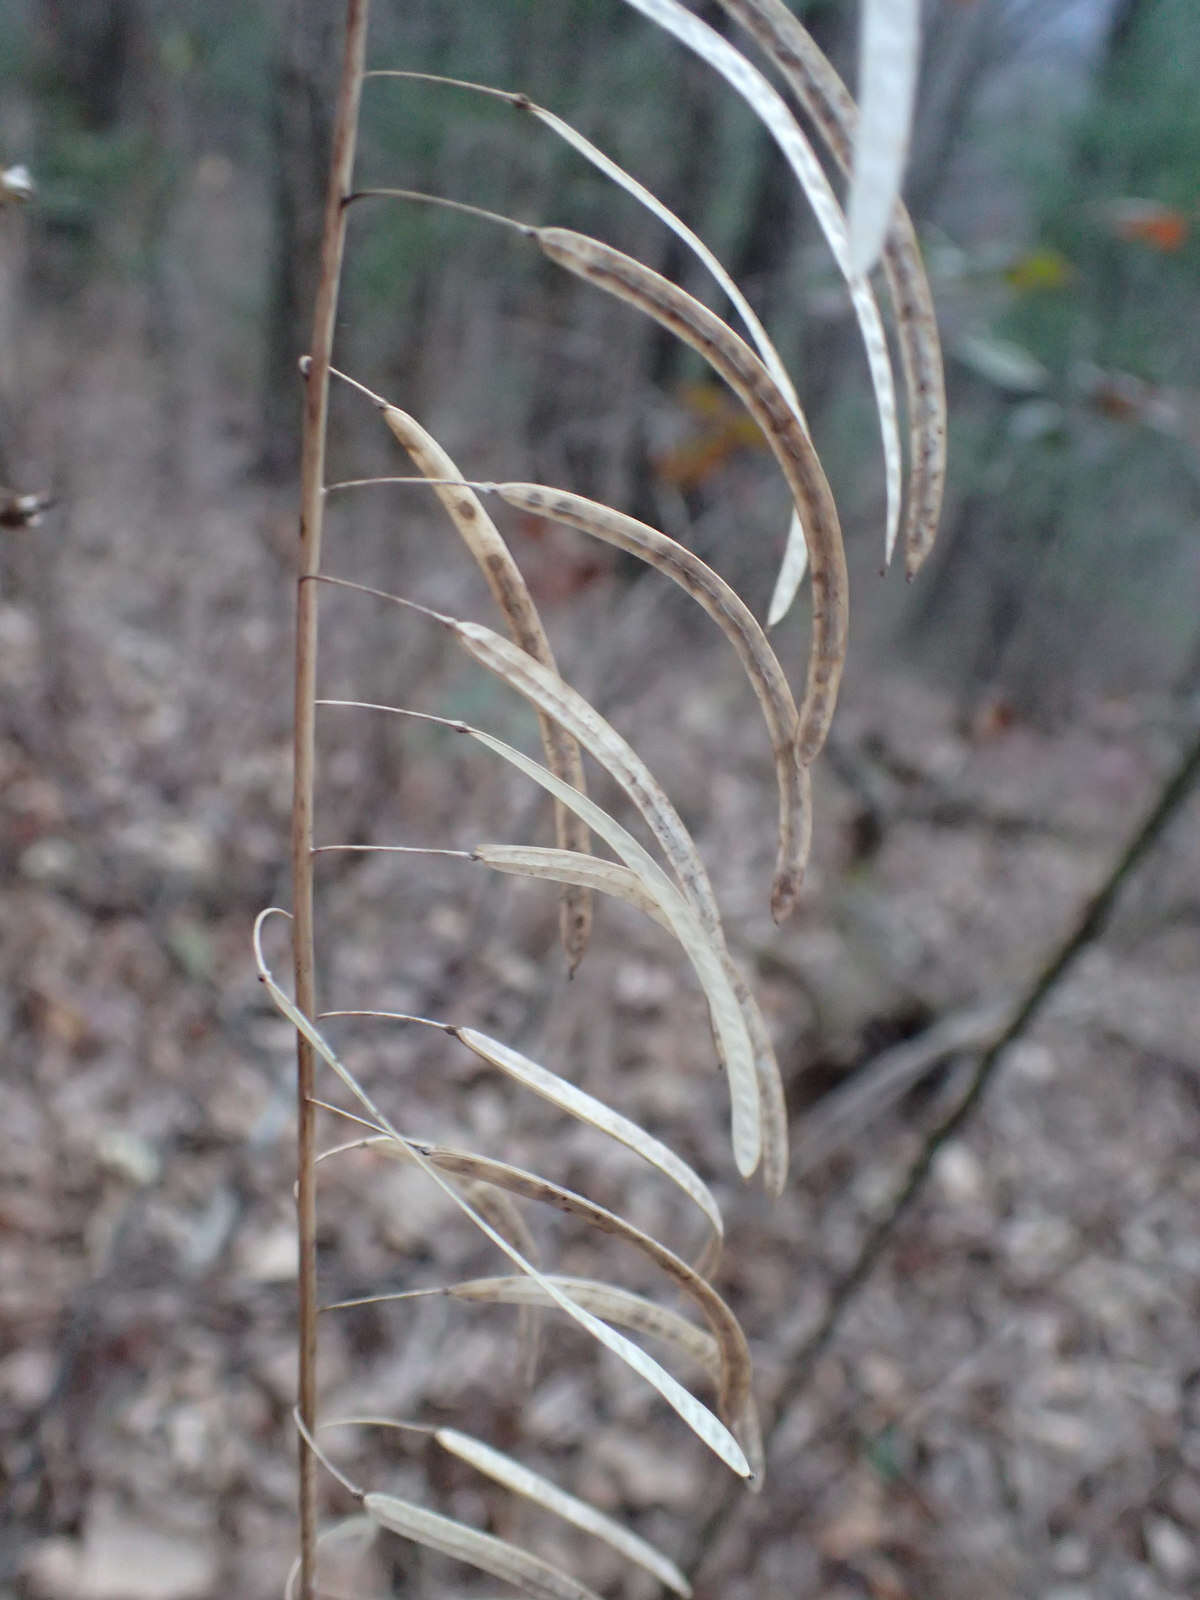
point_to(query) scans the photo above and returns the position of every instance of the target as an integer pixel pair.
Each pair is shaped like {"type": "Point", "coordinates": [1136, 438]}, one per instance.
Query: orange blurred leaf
{"type": "Point", "coordinates": [1163, 228]}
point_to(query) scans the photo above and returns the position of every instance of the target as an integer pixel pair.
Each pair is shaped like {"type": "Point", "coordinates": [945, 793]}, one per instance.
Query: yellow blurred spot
{"type": "Point", "coordinates": [1039, 270]}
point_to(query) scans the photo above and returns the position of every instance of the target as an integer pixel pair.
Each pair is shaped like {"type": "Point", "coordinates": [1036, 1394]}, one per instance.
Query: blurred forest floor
{"type": "Point", "coordinates": [1012, 1405]}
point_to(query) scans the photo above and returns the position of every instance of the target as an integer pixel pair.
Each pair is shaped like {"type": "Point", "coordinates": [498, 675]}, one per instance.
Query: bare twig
{"type": "Point", "coordinates": [841, 1116]}
{"type": "Point", "coordinates": [312, 506]}
{"type": "Point", "coordinates": [1090, 925]}
{"type": "Point", "coordinates": [1087, 930]}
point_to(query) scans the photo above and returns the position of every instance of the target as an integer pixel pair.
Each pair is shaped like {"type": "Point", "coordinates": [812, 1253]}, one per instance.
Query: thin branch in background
{"type": "Point", "coordinates": [1090, 925]}
{"type": "Point", "coordinates": [312, 508]}
{"type": "Point", "coordinates": [1086, 931]}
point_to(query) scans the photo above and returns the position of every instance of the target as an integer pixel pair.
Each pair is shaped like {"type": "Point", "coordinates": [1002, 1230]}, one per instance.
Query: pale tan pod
{"type": "Point", "coordinates": [737, 622]}
{"type": "Point", "coordinates": [501, 1211]}
{"type": "Point", "coordinates": [639, 1315]}
{"type": "Point", "coordinates": [772, 110]}
{"type": "Point", "coordinates": [826, 100]}
{"type": "Point", "coordinates": [617, 1306]}
{"type": "Point", "coordinates": [697, 1417]}
{"type": "Point", "coordinates": [503, 1560]}
{"type": "Point", "coordinates": [620, 275]}
{"type": "Point", "coordinates": [549, 693]}
{"type": "Point", "coordinates": [705, 950]}
{"type": "Point", "coordinates": [605, 876]}
{"type": "Point", "coordinates": [512, 1474]}
{"type": "Point", "coordinates": [586, 1108]}
{"type": "Point", "coordinates": [733, 1379]}
{"type": "Point", "coordinates": [735, 1354]}
{"type": "Point", "coordinates": [620, 1306]}
{"type": "Point", "coordinates": [771, 1100]}
{"type": "Point", "coordinates": [796, 557]}
{"type": "Point", "coordinates": [566, 866]}
{"type": "Point", "coordinates": [511, 594]}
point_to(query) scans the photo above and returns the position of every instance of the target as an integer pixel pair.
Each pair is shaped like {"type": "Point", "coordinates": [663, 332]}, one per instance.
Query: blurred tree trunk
{"type": "Point", "coordinates": [12, 274]}
{"type": "Point", "coordinates": [308, 41]}
{"type": "Point", "coordinates": [1121, 23]}
{"type": "Point", "coordinates": [88, 47]}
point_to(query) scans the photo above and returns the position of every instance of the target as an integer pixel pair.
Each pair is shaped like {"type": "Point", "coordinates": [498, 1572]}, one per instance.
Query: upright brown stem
{"type": "Point", "coordinates": [312, 476]}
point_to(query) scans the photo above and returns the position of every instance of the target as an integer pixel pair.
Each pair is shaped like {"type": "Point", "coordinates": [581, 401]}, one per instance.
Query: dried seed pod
{"type": "Point", "coordinates": [746, 80]}
{"type": "Point", "coordinates": [499, 1557]}
{"type": "Point", "coordinates": [503, 1469]}
{"type": "Point", "coordinates": [827, 102]}
{"type": "Point", "coordinates": [739, 626]}
{"type": "Point", "coordinates": [511, 594]}
{"type": "Point", "coordinates": [578, 1103]}
{"type": "Point", "coordinates": [618, 274]}
{"type": "Point", "coordinates": [889, 37]}
{"type": "Point", "coordinates": [698, 1417]}
{"type": "Point", "coordinates": [702, 942]}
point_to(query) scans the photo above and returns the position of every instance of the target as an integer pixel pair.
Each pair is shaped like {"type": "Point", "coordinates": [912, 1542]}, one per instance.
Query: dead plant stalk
{"type": "Point", "coordinates": [312, 475]}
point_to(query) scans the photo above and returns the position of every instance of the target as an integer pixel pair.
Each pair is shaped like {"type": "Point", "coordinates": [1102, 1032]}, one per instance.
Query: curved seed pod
{"type": "Point", "coordinates": [503, 1469]}
{"type": "Point", "coordinates": [524, 1571]}
{"type": "Point", "coordinates": [605, 876]}
{"type": "Point", "coordinates": [502, 1212]}
{"type": "Point", "coordinates": [645, 197]}
{"type": "Point", "coordinates": [734, 1383]}
{"type": "Point", "coordinates": [550, 694]}
{"type": "Point", "coordinates": [825, 98]}
{"type": "Point", "coordinates": [796, 557]}
{"type": "Point", "coordinates": [773, 112]}
{"type": "Point", "coordinates": [733, 1375]}
{"type": "Point", "coordinates": [706, 954]}
{"type": "Point", "coordinates": [618, 274]}
{"type": "Point", "coordinates": [578, 1103]}
{"type": "Point", "coordinates": [620, 1306]}
{"type": "Point", "coordinates": [639, 1315]}
{"type": "Point", "coordinates": [889, 36]}
{"type": "Point", "coordinates": [564, 866]}
{"type": "Point", "coordinates": [567, 1096]}
{"type": "Point", "coordinates": [739, 626]}
{"type": "Point", "coordinates": [772, 1103]}
{"type": "Point", "coordinates": [511, 594]}
{"type": "Point", "coordinates": [697, 1417]}
{"type": "Point", "coordinates": [704, 949]}
{"type": "Point", "coordinates": [735, 1355]}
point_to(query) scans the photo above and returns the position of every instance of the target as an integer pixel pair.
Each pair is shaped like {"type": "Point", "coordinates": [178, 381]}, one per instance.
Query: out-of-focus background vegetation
{"type": "Point", "coordinates": [1005, 717]}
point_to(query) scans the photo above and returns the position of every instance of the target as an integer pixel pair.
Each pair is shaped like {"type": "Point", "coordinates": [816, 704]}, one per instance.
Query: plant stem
{"type": "Point", "coordinates": [312, 476]}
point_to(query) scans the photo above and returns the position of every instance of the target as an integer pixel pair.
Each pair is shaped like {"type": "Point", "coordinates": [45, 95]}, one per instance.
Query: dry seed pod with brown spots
{"type": "Point", "coordinates": [826, 100]}
{"type": "Point", "coordinates": [703, 1423]}
{"type": "Point", "coordinates": [669, 306]}
{"type": "Point", "coordinates": [739, 626]}
{"type": "Point", "coordinates": [511, 594]}
{"type": "Point", "coordinates": [702, 943]}
{"type": "Point", "coordinates": [772, 110]}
